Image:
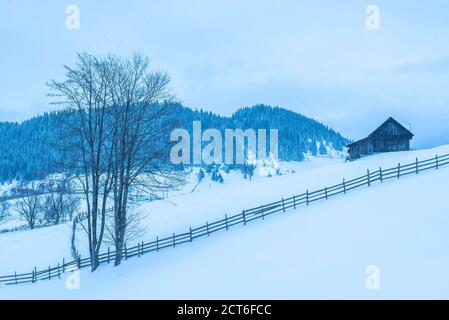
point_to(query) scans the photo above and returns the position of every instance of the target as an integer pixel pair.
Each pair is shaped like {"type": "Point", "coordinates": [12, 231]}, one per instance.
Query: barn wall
{"type": "Point", "coordinates": [390, 136]}
{"type": "Point", "coordinates": [354, 152]}
{"type": "Point", "coordinates": [389, 145]}
{"type": "Point", "coordinates": [378, 145]}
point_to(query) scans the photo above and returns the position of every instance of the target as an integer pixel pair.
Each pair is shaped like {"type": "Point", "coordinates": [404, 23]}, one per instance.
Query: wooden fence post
{"type": "Point", "coordinates": [283, 205]}
{"type": "Point", "coordinates": [344, 186]}
{"type": "Point", "coordinates": [307, 197]}
{"type": "Point", "coordinates": [174, 242]}
{"type": "Point", "coordinates": [416, 165]}
{"type": "Point", "coordinates": [294, 202]}
{"type": "Point", "coordinates": [63, 265]}
{"type": "Point", "coordinates": [157, 244]}
{"type": "Point", "coordinates": [369, 181]}
{"type": "Point", "coordinates": [15, 276]}
{"type": "Point", "coordinates": [226, 221]}
{"type": "Point", "coordinates": [325, 192]}
{"type": "Point", "coordinates": [79, 261]}
{"type": "Point", "coordinates": [436, 161]}
{"type": "Point", "coordinates": [109, 252]}
{"type": "Point", "coordinates": [49, 273]}
{"type": "Point", "coordinates": [59, 275]}
{"type": "Point", "coordinates": [244, 218]}
{"type": "Point", "coordinates": [399, 170]}
{"type": "Point", "coordinates": [138, 249]}
{"type": "Point", "coordinates": [142, 248]}
{"type": "Point", "coordinates": [191, 234]}
{"type": "Point", "coordinates": [33, 275]}
{"type": "Point", "coordinates": [381, 178]}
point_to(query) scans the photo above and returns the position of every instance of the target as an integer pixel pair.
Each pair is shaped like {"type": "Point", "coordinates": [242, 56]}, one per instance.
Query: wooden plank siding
{"type": "Point", "coordinates": [388, 137]}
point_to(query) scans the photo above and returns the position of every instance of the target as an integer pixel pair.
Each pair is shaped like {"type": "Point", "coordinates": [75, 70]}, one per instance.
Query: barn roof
{"type": "Point", "coordinates": [406, 132]}
{"type": "Point", "coordinates": [357, 142]}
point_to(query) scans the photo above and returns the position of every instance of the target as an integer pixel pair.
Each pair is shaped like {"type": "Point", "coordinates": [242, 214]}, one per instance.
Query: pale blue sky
{"type": "Point", "coordinates": [316, 57]}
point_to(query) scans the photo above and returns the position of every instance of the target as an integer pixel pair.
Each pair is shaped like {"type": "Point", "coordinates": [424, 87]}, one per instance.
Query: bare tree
{"type": "Point", "coordinates": [30, 205]}
{"type": "Point", "coordinates": [60, 202]}
{"type": "Point", "coordinates": [141, 156]}
{"type": "Point", "coordinates": [134, 229]}
{"type": "Point", "coordinates": [4, 211]}
{"type": "Point", "coordinates": [90, 138]}
{"type": "Point", "coordinates": [119, 137]}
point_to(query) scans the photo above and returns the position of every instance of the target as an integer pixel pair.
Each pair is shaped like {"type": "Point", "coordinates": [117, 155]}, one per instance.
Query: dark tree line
{"type": "Point", "coordinates": [26, 154]}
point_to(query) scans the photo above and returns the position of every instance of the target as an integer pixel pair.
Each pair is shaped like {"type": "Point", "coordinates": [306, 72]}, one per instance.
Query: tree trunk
{"type": "Point", "coordinates": [118, 253]}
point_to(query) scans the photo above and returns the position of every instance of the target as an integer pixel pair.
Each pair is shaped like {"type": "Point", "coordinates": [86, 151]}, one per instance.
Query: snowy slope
{"type": "Point", "coordinates": [320, 251]}
{"type": "Point", "coordinates": [175, 214]}
{"type": "Point", "coordinates": [209, 202]}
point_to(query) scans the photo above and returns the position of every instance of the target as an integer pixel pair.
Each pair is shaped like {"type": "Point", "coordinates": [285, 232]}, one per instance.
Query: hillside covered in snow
{"type": "Point", "coordinates": [395, 231]}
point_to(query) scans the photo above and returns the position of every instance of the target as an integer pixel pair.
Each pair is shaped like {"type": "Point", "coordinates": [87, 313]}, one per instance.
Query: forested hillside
{"type": "Point", "coordinates": [27, 149]}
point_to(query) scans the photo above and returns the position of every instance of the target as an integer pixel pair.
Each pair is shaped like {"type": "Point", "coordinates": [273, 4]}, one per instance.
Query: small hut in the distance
{"type": "Point", "coordinates": [390, 136]}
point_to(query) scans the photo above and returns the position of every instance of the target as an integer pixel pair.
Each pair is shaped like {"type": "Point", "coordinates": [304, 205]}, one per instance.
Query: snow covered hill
{"type": "Point", "coordinates": [398, 228]}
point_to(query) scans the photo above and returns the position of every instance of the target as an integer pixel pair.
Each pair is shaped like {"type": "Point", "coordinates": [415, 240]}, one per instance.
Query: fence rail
{"type": "Point", "coordinates": [244, 217]}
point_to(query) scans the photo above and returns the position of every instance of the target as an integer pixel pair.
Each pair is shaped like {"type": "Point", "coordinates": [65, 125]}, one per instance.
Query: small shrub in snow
{"type": "Point", "coordinates": [200, 175]}
{"type": "Point", "coordinates": [4, 211]}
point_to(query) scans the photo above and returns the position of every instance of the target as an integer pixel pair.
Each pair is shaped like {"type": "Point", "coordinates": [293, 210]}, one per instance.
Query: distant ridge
{"type": "Point", "coordinates": [26, 151]}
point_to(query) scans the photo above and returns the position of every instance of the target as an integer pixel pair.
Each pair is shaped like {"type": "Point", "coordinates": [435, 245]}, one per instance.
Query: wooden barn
{"type": "Point", "coordinates": [390, 136]}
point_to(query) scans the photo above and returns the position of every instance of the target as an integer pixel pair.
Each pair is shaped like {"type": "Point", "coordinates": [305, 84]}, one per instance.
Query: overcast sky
{"type": "Point", "coordinates": [314, 57]}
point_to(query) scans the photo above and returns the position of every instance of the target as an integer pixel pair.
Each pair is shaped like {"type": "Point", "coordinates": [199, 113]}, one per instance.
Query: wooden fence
{"type": "Point", "coordinates": [244, 217]}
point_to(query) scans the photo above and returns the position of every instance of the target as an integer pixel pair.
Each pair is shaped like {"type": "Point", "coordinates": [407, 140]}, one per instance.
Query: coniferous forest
{"type": "Point", "coordinates": [27, 149]}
